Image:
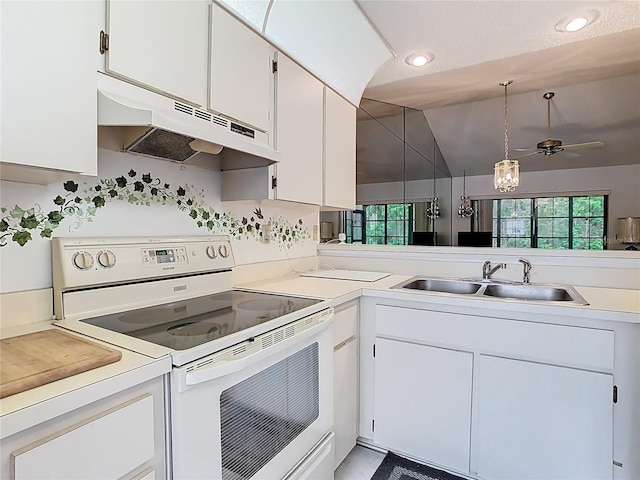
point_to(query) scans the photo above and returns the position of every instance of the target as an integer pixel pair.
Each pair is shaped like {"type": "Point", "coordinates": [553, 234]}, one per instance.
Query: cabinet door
{"type": "Point", "coordinates": [48, 97]}
{"type": "Point", "coordinates": [106, 446]}
{"type": "Point", "coordinates": [339, 157]}
{"type": "Point", "coordinates": [423, 402]}
{"type": "Point", "coordinates": [163, 45]}
{"type": "Point", "coordinates": [241, 73]}
{"type": "Point", "coordinates": [543, 421]}
{"type": "Point", "coordinates": [300, 106]}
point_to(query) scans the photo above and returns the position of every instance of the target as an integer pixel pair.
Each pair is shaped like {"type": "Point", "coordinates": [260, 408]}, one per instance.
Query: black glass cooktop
{"type": "Point", "coordinates": [187, 323]}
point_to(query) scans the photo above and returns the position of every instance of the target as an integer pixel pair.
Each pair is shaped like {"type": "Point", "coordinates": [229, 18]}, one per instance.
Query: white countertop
{"type": "Point", "coordinates": [56, 398]}
{"type": "Point", "coordinates": [24, 409]}
{"type": "Point", "coordinates": [604, 303]}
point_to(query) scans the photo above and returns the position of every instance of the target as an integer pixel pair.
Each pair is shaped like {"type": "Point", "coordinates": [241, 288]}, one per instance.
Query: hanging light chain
{"type": "Point", "coordinates": [506, 119]}
{"type": "Point", "coordinates": [506, 172]}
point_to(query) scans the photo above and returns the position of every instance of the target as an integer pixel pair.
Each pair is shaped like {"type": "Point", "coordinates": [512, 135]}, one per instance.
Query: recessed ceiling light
{"type": "Point", "coordinates": [419, 59]}
{"type": "Point", "coordinates": [577, 22]}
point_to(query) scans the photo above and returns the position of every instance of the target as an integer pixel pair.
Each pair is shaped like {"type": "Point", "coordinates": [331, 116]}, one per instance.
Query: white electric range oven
{"type": "Point", "coordinates": [250, 393]}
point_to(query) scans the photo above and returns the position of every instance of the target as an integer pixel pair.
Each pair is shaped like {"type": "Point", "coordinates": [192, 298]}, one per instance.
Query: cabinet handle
{"type": "Point", "coordinates": [615, 394]}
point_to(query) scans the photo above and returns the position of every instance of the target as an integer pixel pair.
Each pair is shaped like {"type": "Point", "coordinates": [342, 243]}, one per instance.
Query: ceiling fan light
{"type": "Point", "coordinates": [506, 175]}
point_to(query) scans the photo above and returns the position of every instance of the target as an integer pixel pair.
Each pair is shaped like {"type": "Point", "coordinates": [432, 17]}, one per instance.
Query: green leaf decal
{"type": "Point", "coordinates": [70, 186]}
{"type": "Point", "coordinates": [29, 222]}
{"type": "Point", "coordinates": [55, 217]}
{"type": "Point", "coordinates": [17, 223]}
{"type": "Point", "coordinates": [21, 237]}
{"type": "Point", "coordinates": [17, 212]}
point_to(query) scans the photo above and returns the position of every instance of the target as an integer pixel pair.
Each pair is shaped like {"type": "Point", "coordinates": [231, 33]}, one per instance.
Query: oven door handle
{"type": "Point", "coordinates": [226, 367]}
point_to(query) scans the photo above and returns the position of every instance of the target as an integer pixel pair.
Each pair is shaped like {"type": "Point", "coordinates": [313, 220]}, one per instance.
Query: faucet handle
{"type": "Point", "coordinates": [527, 269]}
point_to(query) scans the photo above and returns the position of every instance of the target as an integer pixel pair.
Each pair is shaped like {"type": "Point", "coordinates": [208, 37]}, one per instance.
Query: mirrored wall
{"type": "Point", "coordinates": [400, 172]}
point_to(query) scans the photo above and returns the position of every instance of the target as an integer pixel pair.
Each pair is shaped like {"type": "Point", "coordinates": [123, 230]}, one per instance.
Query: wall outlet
{"type": "Point", "coordinates": [315, 233]}
{"type": "Point", "coordinates": [266, 233]}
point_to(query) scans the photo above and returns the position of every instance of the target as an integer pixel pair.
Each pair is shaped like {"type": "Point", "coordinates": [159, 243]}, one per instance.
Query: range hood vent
{"type": "Point", "coordinates": [140, 121]}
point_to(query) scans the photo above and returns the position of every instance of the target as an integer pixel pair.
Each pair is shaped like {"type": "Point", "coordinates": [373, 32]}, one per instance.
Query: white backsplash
{"type": "Point", "coordinates": [183, 196]}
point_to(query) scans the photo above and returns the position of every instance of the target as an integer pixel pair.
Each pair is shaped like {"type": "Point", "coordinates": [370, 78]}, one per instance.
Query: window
{"type": "Point", "coordinates": [577, 222]}
{"type": "Point", "coordinates": [390, 224]}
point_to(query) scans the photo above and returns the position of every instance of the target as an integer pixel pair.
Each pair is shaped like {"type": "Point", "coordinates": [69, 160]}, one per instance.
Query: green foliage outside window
{"type": "Point", "coordinates": [552, 223]}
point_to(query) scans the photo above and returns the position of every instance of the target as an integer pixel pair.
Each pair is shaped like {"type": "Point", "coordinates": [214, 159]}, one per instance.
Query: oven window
{"type": "Point", "coordinates": [263, 414]}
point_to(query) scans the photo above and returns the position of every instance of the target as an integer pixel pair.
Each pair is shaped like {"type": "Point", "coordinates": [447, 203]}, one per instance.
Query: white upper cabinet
{"type": "Point", "coordinates": [339, 156]}
{"type": "Point", "coordinates": [241, 77]}
{"type": "Point", "coordinates": [299, 120]}
{"type": "Point", "coordinates": [48, 97]}
{"type": "Point", "coordinates": [161, 45]}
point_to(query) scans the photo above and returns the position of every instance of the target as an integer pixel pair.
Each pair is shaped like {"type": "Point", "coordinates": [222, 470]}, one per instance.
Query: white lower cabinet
{"type": "Point", "coordinates": [423, 402]}
{"type": "Point", "coordinates": [109, 445]}
{"type": "Point", "coordinates": [345, 380]}
{"type": "Point", "coordinates": [543, 421]}
{"type": "Point", "coordinates": [492, 398]}
{"type": "Point", "coordinates": [119, 437]}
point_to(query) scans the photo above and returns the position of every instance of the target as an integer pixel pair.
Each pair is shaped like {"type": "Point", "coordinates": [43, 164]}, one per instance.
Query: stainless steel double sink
{"type": "Point", "coordinates": [496, 289]}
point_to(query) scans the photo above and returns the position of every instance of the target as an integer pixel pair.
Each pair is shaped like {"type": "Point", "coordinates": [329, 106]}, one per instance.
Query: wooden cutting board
{"type": "Point", "coordinates": [28, 361]}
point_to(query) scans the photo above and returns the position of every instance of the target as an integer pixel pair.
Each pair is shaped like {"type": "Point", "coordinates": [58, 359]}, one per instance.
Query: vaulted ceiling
{"type": "Point", "coordinates": [595, 74]}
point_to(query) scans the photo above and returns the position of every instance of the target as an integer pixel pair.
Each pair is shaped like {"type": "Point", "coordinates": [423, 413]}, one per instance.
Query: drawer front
{"type": "Point", "coordinates": [109, 445]}
{"type": "Point", "coordinates": [345, 323]}
{"type": "Point", "coordinates": [557, 344]}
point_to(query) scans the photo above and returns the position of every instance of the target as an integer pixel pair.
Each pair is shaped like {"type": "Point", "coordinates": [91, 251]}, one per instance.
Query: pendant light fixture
{"type": "Point", "coordinates": [506, 172]}
{"type": "Point", "coordinates": [433, 209]}
{"type": "Point", "coordinates": [464, 210]}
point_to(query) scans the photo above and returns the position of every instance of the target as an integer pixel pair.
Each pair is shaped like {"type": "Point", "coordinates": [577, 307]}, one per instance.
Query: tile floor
{"type": "Point", "coordinates": [360, 464]}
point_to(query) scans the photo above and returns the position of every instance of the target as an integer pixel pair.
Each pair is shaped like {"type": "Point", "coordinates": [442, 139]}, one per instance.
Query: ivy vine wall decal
{"type": "Point", "coordinates": [19, 224]}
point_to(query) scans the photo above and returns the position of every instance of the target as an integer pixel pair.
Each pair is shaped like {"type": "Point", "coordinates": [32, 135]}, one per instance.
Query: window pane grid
{"type": "Point", "coordinates": [553, 222]}
{"type": "Point", "coordinates": [388, 224]}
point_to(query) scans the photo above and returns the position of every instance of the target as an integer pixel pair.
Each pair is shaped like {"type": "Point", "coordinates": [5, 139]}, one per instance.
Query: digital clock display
{"type": "Point", "coordinates": [165, 256]}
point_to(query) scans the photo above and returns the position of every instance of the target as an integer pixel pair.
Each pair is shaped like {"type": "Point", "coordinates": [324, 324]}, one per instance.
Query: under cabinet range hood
{"type": "Point", "coordinates": [133, 119]}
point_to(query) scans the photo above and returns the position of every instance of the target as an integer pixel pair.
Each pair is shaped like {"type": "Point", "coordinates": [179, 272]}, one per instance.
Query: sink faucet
{"type": "Point", "coordinates": [527, 269]}
{"type": "Point", "coordinates": [487, 270]}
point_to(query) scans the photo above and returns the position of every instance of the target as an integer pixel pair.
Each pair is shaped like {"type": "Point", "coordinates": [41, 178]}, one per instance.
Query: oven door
{"type": "Point", "coordinates": [255, 410]}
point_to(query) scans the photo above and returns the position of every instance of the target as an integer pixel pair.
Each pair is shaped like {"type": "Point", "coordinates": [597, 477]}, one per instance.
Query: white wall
{"type": "Point", "coordinates": [622, 181]}
{"type": "Point", "coordinates": [136, 213]}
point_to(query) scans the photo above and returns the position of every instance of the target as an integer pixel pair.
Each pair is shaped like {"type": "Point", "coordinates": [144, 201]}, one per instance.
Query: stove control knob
{"type": "Point", "coordinates": [106, 259]}
{"type": "Point", "coordinates": [211, 252]}
{"type": "Point", "coordinates": [223, 250]}
{"type": "Point", "coordinates": [82, 260]}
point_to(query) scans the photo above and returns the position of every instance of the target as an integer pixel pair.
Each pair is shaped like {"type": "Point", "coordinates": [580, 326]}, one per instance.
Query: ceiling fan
{"type": "Point", "coordinates": [551, 146]}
